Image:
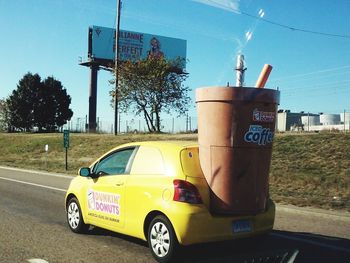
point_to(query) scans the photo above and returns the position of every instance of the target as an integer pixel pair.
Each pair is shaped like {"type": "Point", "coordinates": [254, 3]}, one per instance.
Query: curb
{"type": "Point", "coordinates": [70, 176]}
{"type": "Point", "coordinates": [329, 214]}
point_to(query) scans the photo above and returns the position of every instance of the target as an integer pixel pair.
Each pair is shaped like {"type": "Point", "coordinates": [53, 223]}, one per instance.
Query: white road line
{"type": "Point", "coordinates": [36, 172]}
{"type": "Point", "coordinates": [343, 249]}
{"type": "Point", "coordinates": [33, 184]}
{"type": "Point", "coordinates": [37, 260]}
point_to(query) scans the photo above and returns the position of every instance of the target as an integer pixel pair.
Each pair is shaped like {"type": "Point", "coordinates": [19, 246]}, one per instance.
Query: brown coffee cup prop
{"type": "Point", "coordinates": [236, 127]}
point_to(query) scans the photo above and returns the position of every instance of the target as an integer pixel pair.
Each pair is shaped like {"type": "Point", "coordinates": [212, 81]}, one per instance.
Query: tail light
{"type": "Point", "coordinates": [186, 192]}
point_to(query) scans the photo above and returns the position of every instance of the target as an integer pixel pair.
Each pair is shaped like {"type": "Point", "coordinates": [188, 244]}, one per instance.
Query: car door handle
{"type": "Point", "coordinates": [119, 184]}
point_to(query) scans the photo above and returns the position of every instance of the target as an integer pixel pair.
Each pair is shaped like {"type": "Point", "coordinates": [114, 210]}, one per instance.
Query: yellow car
{"type": "Point", "coordinates": [155, 191]}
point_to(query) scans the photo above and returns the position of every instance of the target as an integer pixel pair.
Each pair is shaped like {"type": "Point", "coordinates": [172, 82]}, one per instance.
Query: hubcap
{"type": "Point", "coordinates": [73, 215]}
{"type": "Point", "coordinates": [160, 239]}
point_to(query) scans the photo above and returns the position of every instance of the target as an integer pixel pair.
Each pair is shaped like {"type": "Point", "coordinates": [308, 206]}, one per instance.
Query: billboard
{"type": "Point", "coordinates": [133, 45]}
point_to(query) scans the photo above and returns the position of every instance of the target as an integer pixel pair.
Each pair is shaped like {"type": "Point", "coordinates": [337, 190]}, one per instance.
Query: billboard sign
{"type": "Point", "coordinates": [133, 45]}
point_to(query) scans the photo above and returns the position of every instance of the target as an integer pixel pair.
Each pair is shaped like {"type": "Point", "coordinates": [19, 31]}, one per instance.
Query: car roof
{"type": "Point", "coordinates": [176, 144]}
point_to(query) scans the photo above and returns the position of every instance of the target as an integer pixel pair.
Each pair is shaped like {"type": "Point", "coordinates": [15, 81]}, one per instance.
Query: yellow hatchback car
{"type": "Point", "coordinates": [155, 191]}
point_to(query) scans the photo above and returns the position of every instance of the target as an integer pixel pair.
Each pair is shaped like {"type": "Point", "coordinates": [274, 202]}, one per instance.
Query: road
{"type": "Point", "coordinates": [33, 226]}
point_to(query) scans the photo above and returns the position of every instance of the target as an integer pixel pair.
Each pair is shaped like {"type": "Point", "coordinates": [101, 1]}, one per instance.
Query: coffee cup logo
{"type": "Point", "coordinates": [91, 200]}
{"type": "Point", "coordinates": [263, 116]}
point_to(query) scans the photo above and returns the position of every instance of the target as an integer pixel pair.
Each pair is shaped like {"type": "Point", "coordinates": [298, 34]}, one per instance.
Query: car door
{"type": "Point", "coordinates": [105, 194]}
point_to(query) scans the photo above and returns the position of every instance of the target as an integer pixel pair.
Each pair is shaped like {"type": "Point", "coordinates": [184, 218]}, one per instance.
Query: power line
{"type": "Point", "coordinates": [311, 73]}
{"type": "Point", "coordinates": [294, 28]}
{"type": "Point", "coordinates": [225, 7]}
{"type": "Point", "coordinates": [323, 93]}
{"type": "Point", "coordinates": [317, 86]}
{"type": "Point", "coordinates": [317, 93]}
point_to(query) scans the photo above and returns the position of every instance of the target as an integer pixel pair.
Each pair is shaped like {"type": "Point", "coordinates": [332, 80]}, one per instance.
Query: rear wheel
{"type": "Point", "coordinates": [162, 240]}
{"type": "Point", "coordinates": [75, 218]}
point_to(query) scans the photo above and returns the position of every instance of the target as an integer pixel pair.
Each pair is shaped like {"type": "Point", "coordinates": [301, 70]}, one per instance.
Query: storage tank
{"type": "Point", "coordinates": [330, 119]}
{"type": "Point", "coordinates": [311, 120]}
{"type": "Point", "coordinates": [345, 118]}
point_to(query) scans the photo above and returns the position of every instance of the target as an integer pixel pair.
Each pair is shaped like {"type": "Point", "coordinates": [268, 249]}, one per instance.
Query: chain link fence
{"type": "Point", "coordinates": [186, 124]}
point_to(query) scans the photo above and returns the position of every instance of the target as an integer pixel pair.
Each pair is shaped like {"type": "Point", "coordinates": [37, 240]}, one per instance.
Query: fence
{"type": "Point", "coordinates": [134, 125]}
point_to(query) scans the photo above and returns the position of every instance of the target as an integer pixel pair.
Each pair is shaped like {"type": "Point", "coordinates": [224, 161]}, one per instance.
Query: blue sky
{"type": "Point", "coordinates": [311, 70]}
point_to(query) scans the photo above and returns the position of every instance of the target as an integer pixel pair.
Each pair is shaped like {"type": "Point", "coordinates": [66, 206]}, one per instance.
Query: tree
{"type": "Point", "coordinates": [20, 102]}
{"type": "Point", "coordinates": [4, 116]}
{"type": "Point", "coordinates": [41, 104]}
{"type": "Point", "coordinates": [52, 109]}
{"type": "Point", "coordinates": [152, 86]}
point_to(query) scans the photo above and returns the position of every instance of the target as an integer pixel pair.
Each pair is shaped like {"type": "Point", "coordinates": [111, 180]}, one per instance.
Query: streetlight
{"type": "Point", "coordinates": [116, 67]}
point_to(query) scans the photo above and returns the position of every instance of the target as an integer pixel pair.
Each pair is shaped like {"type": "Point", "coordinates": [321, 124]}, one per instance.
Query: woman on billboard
{"type": "Point", "coordinates": [155, 51]}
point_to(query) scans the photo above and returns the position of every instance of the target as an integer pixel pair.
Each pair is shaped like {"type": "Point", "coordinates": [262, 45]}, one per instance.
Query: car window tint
{"type": "Point", "coordinates": [148, 160]}
{"type": "Point", "coordinates": [115, 163]}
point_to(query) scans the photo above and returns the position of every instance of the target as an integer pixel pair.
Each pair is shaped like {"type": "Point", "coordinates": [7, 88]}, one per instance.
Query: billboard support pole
{"type": "Point", "coordinates": [116, 68]}
{"type": "Point", "coordinates": [93, 98]}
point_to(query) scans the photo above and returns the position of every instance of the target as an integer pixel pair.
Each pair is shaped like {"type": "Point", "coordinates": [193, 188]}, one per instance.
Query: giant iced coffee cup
{"type": "Point", "coordinates": [236, 127]}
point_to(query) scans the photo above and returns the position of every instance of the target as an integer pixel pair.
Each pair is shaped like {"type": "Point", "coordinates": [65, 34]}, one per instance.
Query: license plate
{"type": "Point", "coordinates": [240, 226]}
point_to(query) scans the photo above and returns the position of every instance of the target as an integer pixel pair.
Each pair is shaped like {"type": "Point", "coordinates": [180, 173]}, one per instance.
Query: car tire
{"type": "Point", "coordinates": [162, 240]}
{"type": "Point", "coordinates": [75, 218]}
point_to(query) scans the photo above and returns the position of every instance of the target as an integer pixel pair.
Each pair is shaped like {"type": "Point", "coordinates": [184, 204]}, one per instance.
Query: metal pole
{"type": "Point", "coordinates": [173, 126]}
{"type": "Point", "coordinates": [66, 158]}
{"type": "Point", "coordinates": [187, 122]}
{"type": "Point", "coordinates": [240, 71]}
{"type": "Point", "coordinates": [344, 121]}
{"type": "Point", "coordinates": [86, 124]}
{"type": "Point", "coordinates": [98, 124]}
{"type": "Point", "coordinates": [117, 23]}
{"type": "Point", "coordinates": [119, 122]}
{"type": "Point", "coordinates": [93, 98]}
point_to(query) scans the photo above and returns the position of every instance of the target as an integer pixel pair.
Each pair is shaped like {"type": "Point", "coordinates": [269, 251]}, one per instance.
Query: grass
{"type": "Point", "coordinates": [28, 150]}
{"type": "Point", "coordinates": [306, 170]}
{"type": "Point", "coordinates": [312, 170]}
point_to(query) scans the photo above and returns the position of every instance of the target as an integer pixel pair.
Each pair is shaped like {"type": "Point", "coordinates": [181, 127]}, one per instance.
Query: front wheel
{"type": "Point", "coordinates": [75, 218]}
{"type": "Point", "coordinates": [162, 240]}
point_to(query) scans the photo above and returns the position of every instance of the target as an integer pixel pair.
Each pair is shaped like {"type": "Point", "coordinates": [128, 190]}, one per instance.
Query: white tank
{"type": "Point", "coordinates": [310, 120]}
{"type": "Point", "coordinates": [345, 118]}
{"type": "Point", "coordinates": [330, 119]}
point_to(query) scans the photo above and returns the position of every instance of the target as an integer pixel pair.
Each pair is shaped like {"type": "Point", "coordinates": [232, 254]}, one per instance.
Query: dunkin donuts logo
{"type": "Point", "coordinates": [263, 116]}
{"type": "Point", "coordinates": [259, 135]}
{"type": "Point", "coordinates": [104, 202]}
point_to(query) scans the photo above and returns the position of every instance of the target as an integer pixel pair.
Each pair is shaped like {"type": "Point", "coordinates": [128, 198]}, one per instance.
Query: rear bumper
{"type": "Point", "coordinates": [201, 227]}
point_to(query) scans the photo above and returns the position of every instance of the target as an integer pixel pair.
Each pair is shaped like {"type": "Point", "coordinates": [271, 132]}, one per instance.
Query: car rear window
{"type": "Point", "coordinates": [190, 162]}
{"type": "Point", "coordinates": [148, 160]}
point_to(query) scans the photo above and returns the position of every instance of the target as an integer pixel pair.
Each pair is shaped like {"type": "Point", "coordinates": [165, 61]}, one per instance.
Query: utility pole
{"type": "Point", "coordinates": [186, 122]}
{"type": "Point", "coordinates": [117, 23]}
{"type": "Point", "coordinates": [172, 128]}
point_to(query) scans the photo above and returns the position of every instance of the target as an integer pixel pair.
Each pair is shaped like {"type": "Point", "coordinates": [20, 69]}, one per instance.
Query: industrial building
{"type": "Point", "coordinates": [292, 121]}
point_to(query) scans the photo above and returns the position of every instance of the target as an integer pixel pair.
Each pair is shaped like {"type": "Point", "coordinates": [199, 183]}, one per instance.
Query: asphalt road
{"type": "Point", "coordinates": [33, 227]}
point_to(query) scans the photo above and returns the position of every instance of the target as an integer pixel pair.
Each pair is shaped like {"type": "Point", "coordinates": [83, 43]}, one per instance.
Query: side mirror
{"type": "Point", "coordinates": [85, 172]}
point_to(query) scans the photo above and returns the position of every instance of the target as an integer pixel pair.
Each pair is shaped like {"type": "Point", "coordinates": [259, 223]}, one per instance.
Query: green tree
{"type": "Point", "coordinates": [152, 86]}
{"type": "Point", "coordinates": [4, 116]}
{"type": "Point", "coordinates": [51, 110]}
{"type": "Point", "coordinates": [41, 104]}
{"type": "Point", "coordinates": [20, 103]}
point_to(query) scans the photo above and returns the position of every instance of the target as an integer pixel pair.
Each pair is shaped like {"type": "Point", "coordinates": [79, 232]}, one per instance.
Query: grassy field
{"type": "Point", "coordinates": [306, 170]}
